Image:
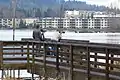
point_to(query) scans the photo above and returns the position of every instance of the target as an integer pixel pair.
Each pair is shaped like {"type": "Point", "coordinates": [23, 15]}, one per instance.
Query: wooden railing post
{"type": "Point", "coordinates": [112, 62]}
{"type": "Point", "coordinates": [28, 57]}
{"type": "Point", "coordinates": [33, 60]}
{"type": "Point", "coordinates": [10, 73]}
{"type": "Point", "coordinates": [71, 62]}
{"type": "Point", "coordinates": [22, 49]}
{"type": "Point", "coordinates": [107, 64]}
{"type": "Point", "coordinates": [57, 61]}
{"type": "Point", "coordinates": [1, 54]}
{"type": "Point", "coordinates": [18, 74]}
{"type": "Point", "coordinates": [14, 74]}
{"type": "Point", "coordinates": [1, 58]}
{"type": "Point", "coordinates": [2, 75]}
{"type": "Point", "coordinates": [88, 63]}
{"type": "Point", "coordinates": [44, 45]}
{"type": "Point", "coordinates": [95, 60]}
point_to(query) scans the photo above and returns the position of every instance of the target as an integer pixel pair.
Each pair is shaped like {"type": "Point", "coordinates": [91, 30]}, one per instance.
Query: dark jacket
{"type": "Point", "coordinates": [37, 35]}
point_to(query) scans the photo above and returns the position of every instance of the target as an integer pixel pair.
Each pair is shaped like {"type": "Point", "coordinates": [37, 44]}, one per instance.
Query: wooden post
{"type": "Point", "coordinates": [1, 54]}
{"type": "Point", "coordinates": [112, 61]}
{"type": "Point", "coordinates": [61, 50]}
{"type": "Point", "coordinates": [32, 76]}
{"type": "Point", "coordinates": [71, 62]}
{"type": "Point", "coordinates": [10, 73]}
{"type": "Point", "coordinates": [44, 45]}
{"type": "Point", "coordinates": [57, 61]}
{"type": "Point", "coordinates": [2, 76]}
{"type": "Point", "coordinates": [38, 54]}
{"type": "Point", "coordinates": [88, 64]}
{"type": "Point", "coordinates": [1, 58]}
{"type": "Point", "coordinates": [61, 60]}
{"type": "Point", "coordinates": [7, 72]}
{"type": "Point", "coordinates": [14, 74]}
{"type": "Point", "coordinates": [64, 78]}
{"type": "Point", "coordinates": [22, 49]}
{"type": "Point", "coordinates": [33, 61]}
{"type": "Point", "coordinates": [95, 60]}
{"type": "Point", "coordinates": [81, 53]}
{"type": "Point", "coordinates": [67, 56]}
{"type": "Point", "coordinates": [107, 64]}
{"type": "Point", "coordinates": [18, 74]}
{"type": "Point", "coordinates": [28, 57]}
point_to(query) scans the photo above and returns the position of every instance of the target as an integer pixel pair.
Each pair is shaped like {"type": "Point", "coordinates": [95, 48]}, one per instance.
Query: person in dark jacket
{"type": "Point", "coordinates": [37, 34]}
{"type": "Point", "coordinates": [42, 34]}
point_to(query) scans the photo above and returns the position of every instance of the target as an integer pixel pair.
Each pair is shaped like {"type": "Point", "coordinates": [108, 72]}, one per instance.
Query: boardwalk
{"type": "Point", "coordinates": [71, 59]}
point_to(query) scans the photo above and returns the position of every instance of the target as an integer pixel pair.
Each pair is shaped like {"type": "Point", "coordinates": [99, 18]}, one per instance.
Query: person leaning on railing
{"type": "Point", "coordinates": [37, 36]}
{"type": "Point", "coordinates": [57, 35]}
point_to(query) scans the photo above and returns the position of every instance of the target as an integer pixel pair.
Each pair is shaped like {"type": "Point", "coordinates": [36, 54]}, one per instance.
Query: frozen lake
{"type": "Point", "coordinates": [92, 37]}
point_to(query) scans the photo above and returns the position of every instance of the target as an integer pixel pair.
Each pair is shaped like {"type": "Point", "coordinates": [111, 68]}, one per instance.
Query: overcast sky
{"type": "Point", "coordinates": [98, 2]}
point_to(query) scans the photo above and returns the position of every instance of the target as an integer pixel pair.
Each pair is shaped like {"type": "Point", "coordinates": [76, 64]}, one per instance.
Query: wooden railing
{"type": "Point", "coordinates": [90, 59]}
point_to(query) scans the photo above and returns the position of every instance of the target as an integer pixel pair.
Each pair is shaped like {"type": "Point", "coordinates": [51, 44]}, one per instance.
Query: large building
{"type": "Point", "coordinates": [9, 22]}
{"type": "Point", "coordinates": [76, 14]}
{"type": "Point", "coordinates": [29, 21]}
{"type": "Point", "coordinates": [79, 19]}
{"type": "Point", "coordinates": [74, 22]}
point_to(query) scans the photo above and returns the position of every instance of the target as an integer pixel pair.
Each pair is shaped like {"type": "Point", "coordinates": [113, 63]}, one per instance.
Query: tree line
{"type": "Point", "coordinates": [49, 8]}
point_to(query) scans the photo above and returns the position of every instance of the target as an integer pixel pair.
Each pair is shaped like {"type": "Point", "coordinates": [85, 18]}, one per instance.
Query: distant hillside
{"type": "Point", "coordinates": [78, 5]}
{"type": "Point", "coordinates": [53, 3]}
{"type": "Point", "coordinates": [35, 3]}
{"type": "Point", "coordinates": [49, 8]}
{"type": "Point", "coordinates": [114, 4]}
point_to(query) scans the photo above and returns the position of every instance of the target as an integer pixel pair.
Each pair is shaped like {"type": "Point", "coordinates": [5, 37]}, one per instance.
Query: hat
{"type": "Point", "coordinates": [42, 30]}
{"type": "Point", "coordinates": [37, 26]}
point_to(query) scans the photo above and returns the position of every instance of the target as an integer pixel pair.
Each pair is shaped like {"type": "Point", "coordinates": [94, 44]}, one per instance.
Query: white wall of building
{"type": "Point", "coordinates": [30, 20]}
{"type": "Point", "coordinates": [74, 22]}
{"type": "Point", "coordinates": [9, 22]}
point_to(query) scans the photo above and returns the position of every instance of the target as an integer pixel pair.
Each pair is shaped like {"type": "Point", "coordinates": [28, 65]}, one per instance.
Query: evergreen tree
{"type": "Point", "coordinates": [38, 13]}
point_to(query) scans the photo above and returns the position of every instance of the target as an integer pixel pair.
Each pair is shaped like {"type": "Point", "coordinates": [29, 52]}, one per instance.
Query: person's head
{"type": "Point", "coordinates": [37, 26]}
{"type": "Point", "coordinates": [58, 30]}
{"type": "Point", "coordinates": [41, 30]}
